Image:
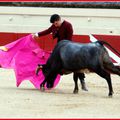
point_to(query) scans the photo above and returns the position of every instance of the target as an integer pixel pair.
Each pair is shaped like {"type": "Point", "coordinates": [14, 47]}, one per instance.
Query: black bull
{"type": "Point", "coordinates": [68, 57]}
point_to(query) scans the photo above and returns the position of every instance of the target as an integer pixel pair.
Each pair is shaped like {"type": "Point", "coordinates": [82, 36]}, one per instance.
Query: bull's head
{"type": "Point", "coordinates": [45, 71]}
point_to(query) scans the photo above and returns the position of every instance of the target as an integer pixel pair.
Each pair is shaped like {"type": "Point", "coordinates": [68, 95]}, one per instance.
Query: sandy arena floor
{"type": "Point", "coordinates": [27, 102]}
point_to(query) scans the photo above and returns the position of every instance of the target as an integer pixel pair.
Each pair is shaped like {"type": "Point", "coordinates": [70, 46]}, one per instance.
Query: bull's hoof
{"type": "Point", "coordinates": [49, 86]}
{"type": "Point", "coordinates": [84, 88]}
{"type": "Point", "coordinates": [110, 94]}
{"type": "Point", "coordinates": [42, 88]}
{"type": "Point", "coordinates": [75, 91]}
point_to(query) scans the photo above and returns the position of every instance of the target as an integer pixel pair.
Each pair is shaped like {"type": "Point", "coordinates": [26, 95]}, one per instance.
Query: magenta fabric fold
{"type": "Point", "coordinates": [23, 56]}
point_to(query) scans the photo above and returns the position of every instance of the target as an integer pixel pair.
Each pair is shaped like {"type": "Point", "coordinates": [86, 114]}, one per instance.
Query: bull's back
{"type": "Point", "coordinates": [76, 55]}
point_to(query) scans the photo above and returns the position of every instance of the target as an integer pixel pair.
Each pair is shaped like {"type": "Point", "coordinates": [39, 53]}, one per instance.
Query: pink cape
{"type": "Point", "coordinates": [23, 56]}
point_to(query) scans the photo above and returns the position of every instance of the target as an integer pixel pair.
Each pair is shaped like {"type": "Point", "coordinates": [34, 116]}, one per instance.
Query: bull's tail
{"type": "Point", "coordinates": [103, 42]}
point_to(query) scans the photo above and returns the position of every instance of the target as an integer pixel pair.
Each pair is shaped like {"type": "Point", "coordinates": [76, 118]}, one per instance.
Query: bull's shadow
{"type": "Point", "coordinates": [56, 91]}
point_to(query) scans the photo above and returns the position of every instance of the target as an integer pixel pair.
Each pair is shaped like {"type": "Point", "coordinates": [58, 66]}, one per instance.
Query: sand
{"type": "Point", "coordinates": [28, 102]}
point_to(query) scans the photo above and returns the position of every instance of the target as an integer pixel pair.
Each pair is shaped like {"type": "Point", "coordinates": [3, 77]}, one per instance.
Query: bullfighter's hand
{"type": "Point", "coordinates": [35, 36]}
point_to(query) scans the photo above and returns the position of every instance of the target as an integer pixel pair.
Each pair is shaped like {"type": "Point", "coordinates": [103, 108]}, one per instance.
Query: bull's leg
{"type": "Point", "coordinates": [42, 85]}
{"type": "Point", "coordinates": [112, 68]}
{"type": "Point", "coordinates": [82, 80]}
{"type": "Point", "coordinates": [108, 65]}
{"type": "Point", "coordinates": [75, 78]}
{"type": "Point", "coordinates": [106, 75]}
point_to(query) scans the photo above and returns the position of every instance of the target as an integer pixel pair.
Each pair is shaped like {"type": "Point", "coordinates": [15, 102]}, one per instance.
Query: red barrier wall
{"type": "Point", "coordinates": [47, 43]}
